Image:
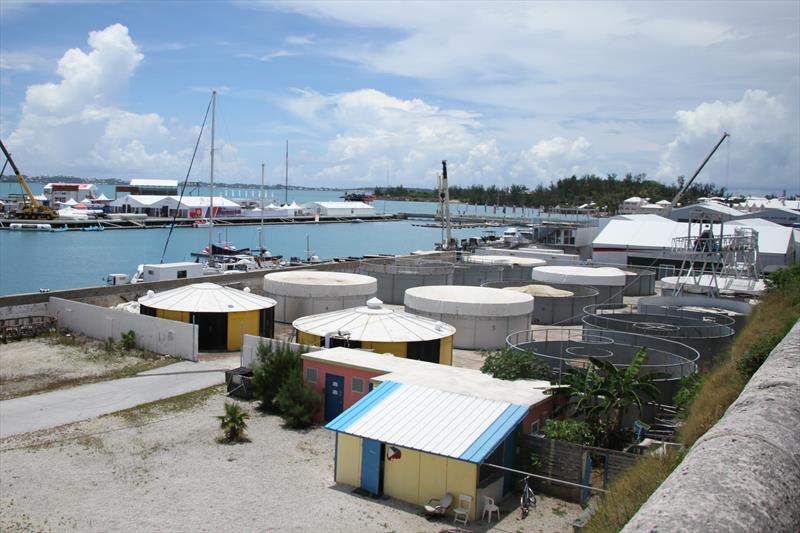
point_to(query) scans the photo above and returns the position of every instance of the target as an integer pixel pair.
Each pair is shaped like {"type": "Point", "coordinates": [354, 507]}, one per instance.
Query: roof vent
{"type": "Point", "coordinates": [247, 289]}
{"type": "Point", "coordinates": [374, 303]}
{"type": "Point", "coordinates": [151, 292]}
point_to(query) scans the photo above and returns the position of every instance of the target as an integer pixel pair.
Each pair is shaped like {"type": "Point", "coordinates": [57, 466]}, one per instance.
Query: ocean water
{"type": "Point", "coordinates": [30, 261]}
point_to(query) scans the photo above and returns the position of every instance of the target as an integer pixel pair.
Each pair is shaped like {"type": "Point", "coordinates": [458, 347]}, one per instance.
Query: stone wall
{"type": "Point", "coordinates": [744, 473]}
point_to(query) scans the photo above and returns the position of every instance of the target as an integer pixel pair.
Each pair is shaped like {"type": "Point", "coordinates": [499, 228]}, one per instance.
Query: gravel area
{"type": "Point", "coordinates": [162, 470]}
{"type": "Point", "coordinates": [35, 365]}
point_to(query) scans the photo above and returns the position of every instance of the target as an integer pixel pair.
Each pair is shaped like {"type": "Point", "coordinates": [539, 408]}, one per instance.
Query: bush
{"type": "Point", "coordinates": [511, 364]}
{"type": "Point", "coordinates": [688, 388]}
{"type": "Point", "coordinates": [128, 340]}
{"type": "Point", "coordinates": [570, 431]}
{"type": "Point", "coordinates": [297, 401]}
{"type": "Point", "coordinates": [784, 278]}
{"type": "Point", "coordinates": [233, 422]}
{"type": "Point", "coordinates": [750, 361]}
{"type": "Point", "coordinates": [276, 362]}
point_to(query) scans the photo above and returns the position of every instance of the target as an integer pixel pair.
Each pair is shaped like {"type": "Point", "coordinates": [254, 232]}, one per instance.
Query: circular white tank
{"type": "Point", "coordinates": [310, 292]}
{"type": "Point", "coordinates": [517, 268]}
{"type": "Point", "coordinates": [483, 317]}
{"type": "Point", "coordinates": [609, 281]}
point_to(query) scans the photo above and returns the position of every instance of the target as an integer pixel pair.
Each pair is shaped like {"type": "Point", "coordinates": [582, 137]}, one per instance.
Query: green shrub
{"type": "Point", "coordinates": [510, 364]}
{"type": "Point", "coordinates": [688, 387]}
{"type": "Point", "coordinates": [128, 340]}
{"type": "Point", "coordinates": [297, 401]}
{"type": "Point", "coordinates": [570, 431]}
{"type": "Point", "coordinates": [750, 361]}
{"type": "Point", "coordinates": [233, 422]}
{"type": "Point", "coordinates": [784, 278]}
{"type": "Point", "coordinates": [276, 362]}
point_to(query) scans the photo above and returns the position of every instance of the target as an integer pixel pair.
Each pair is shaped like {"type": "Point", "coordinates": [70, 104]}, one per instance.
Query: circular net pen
{"type": "Point", "coordinates": [476, 274]}
{"type": "Point", "coordinates": [553, 303]}
{"type": "Point", "coordinates": [699, 306]}
{"type": "Point", "coordinates": [563, 349]}
{"type": "Point", "coordinates": [708, 335]}
{"type": "Point", "coordinates": [514, 268]}
{"type": "Point", "coordinates": [396, 274]}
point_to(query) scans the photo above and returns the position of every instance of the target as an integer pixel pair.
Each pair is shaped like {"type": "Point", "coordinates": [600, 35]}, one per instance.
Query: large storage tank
{"type": "Point", "coordinates": [516, 268]}
{"type": "Point", "coordinates": [553, 304]}
{"type": "Point", "coordinates": [223, 315]}
{"type": "Point", "coordinates": [476, 274]}
{"type": "Point", "coordinates": [639, 281]}
{"type": "Point", "coordinates": [395, 275]}
{"type": "Point", "coordinates": [382, 329]}
{"type": "Point", "coordinates": [483, 317]}
{"type": "Point", "coordinates": [609, 281]}
{"type": "Point", "coordinates": [309, 292]}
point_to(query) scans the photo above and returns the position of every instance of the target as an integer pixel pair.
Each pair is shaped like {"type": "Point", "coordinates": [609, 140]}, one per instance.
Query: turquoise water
{"type": "Point", "coordinates": [33, 260]}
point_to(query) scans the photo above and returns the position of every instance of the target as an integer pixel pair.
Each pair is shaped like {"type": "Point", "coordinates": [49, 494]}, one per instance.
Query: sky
{"type": "Point", "coordinates": [377, 93]}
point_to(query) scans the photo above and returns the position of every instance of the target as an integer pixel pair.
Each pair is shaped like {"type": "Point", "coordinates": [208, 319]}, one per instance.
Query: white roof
{"type": "Point", "coordinates": [504, 260]}
{"type": "Point", "coordinates": [580, 275]}
{"type": "Point", "coordinates": [342, 205]}
{"type": "Point", "coordinates": [433, 421]}
{"type": "Point", "coordinates": [206, 298]}
{"type": "Point", "coordinates": [375, 323]}
{"type": "Point", "coordinates": [664, 203]}
{"type": "Point", "coordinates": [151, 200]}
{"type": "Point", "coordinates": [443, 377]}
{"type": "Point", "coordinates": [468, 300]}
{"type": "Point", "coordinates": [709, 206]}
{"type": "Point", "coordinates": [315, 284]}
{"type": "Point", "coordinates": [139, 200]}
{"type": "Point", "coordinates": [141, 182]}
{"type": "Point", "coordinates": [204, 201]}
{"type": "Point", "coordinates": [637, 232]}
{"type": "Point", "coordinates": [102, 197]}
{"type": "Point", "coordinates": [633, 199]}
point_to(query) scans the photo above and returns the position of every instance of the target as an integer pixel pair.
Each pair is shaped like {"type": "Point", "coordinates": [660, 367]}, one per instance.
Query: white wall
{"type": "Point", "coordinates": [250, 345]}
{"type": "Point", "coordinates": [167, 337]}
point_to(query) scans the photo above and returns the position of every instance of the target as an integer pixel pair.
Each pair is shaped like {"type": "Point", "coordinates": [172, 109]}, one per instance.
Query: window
{"type": "Point", "coordinates": [311, 375]}
{"type": "Point", "coordinates": [150, 272]}
{"type": "Point", "coordinates": [181, 274]}
{"type": "Point", "coordinates": [535, 428]}
{"type": "Point", "coordinates": [358, 385]}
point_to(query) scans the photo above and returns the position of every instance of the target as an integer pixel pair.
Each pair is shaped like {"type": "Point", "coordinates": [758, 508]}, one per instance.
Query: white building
{"type": "Point", "coordinates": [779, 215]}
{"type": "Point", "coordinates": [705, 210]}
{"type": "Point", "coordinates": [636, 205]}
{"type": "Point", "coordinates": [165, 206]}
{"type": "Point", "coordinates": [339, 209]}
{"type": "Point", "coordinates": [63, 192]}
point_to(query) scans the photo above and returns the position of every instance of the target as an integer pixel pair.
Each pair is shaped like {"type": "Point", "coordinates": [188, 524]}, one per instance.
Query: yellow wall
{"type": "Point", "coordinates": [446, 351]}
{"type": "Point", "coordinates": [239, 324]}
{"type": "Point", "coordinates": [401, 476]}
{"type": "Point", "coordinates": [307, 339]}
{"type": "Point", "coordinates": [462, 478]}
{"type": "Point", "coordinates": [180, 316]}
{"type": "Point", "coordinates": [432, 477]}
{"type": "Point", "coordinates": [348, 460]}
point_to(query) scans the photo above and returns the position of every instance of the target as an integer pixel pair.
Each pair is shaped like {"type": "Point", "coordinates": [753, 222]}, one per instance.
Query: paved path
{"type": "Point", "coordinates": [56, 408]}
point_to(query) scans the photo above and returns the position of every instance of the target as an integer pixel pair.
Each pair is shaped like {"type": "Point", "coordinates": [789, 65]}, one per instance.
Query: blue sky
{"type": "Point", "coordinates": [506, 92]}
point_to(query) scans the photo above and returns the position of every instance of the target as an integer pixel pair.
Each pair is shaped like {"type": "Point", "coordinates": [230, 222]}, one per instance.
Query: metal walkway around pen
{"type": "Point", "coordinates": [65, 406]}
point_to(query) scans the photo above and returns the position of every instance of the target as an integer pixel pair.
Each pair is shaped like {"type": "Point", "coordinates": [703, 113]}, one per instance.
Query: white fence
{"type": "Point", "coordinates": [167, 337]}
{"type": "Point", "coordinates": [250, 347]}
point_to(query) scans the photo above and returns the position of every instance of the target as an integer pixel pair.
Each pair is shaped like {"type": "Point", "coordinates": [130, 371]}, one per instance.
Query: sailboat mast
{"type": "Point", "coordinates": [211, 191]}
{"type": "Point", "coordinates": [261, 202]}
{"type": "Point", "coordinates": [286, 188]}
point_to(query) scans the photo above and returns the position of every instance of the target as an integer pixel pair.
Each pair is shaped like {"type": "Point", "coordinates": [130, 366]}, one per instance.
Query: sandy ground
{"type": "Point", "coordinates": [33, 365]}
{"type": "Point", "coordinates": [165, 472]}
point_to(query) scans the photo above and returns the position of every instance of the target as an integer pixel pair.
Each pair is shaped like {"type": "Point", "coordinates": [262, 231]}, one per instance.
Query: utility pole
{"type": "Point", "coordinates": [286, 188]}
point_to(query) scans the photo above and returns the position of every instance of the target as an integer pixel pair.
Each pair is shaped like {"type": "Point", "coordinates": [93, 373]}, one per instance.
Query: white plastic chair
{"type": "Point", "coordinates": [490, 507]}
{"type": "Point", "coordinates": [463, 509]}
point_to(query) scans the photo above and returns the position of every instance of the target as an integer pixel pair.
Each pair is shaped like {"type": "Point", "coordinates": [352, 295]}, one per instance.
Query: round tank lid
{"type": "Point", "coordinates": [246, 289]}
{"type": "Point", "coordinates": [374, 303]}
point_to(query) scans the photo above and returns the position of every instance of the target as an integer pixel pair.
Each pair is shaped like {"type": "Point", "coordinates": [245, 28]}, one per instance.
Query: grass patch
{"type": "Point", "coordinates": [149, 411]}
{"type": "Point", "coordinates": [630, 490]}
{"type": "Point", "coordinates": [719, 387]}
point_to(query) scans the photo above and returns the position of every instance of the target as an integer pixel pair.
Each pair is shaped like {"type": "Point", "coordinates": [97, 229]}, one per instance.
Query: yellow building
{"type": "Point", "coordinates": [416, 443]}
{"type": "Point", "coordinates": [381, 329]}
{"type": "Point", "coordinates": [222, 314]}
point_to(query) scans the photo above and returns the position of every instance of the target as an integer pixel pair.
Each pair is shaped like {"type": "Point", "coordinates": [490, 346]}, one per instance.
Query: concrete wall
{"type": "Point", "coordinates": [250, 346]}
{"type": "Point", "coordinates": [158, 335]}
{"type": "Point", "coordinates": [744, 473]}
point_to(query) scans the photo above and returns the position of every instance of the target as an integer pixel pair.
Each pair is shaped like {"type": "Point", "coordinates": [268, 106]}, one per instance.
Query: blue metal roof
{"type": "Point", "coordinates": [430, 420]}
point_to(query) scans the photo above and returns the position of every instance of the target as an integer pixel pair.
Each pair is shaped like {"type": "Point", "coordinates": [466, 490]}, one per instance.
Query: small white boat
{"type": "Point", "coordinates": [202, 223]}
{"type": "Point", "coordinates": [17, 226]}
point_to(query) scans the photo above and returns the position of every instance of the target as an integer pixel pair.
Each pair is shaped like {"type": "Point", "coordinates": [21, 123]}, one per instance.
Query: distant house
{"type": "Point", "coordinates": [63, 192]}
{"type": "Point", "coordinates": [339, 209]}
{"type": "Point", "coordinates": [635, 205]}
{"type": "Point", "coordinates": [779, 215]}
{"type": "Point", "coordinates": [705, 210]}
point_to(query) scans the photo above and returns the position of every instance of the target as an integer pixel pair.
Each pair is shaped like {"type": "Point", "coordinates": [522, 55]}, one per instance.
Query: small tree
{"type": "Point", "coordinates": [128, 340]}
{"type": "Point", "coordinates": [233, 423]}
{"type": "Point", "coordinates": [570, 431]}
{"type": "Point", "coordinates": [512, 364]}
{"type": "Point", "coordinates": [297, 401]}
{"type": "Point", "coordinates": [275, 364]}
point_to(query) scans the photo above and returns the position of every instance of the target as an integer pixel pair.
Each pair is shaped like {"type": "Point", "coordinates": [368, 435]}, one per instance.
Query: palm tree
{"type": "Point", "coordinates": [233, 422]}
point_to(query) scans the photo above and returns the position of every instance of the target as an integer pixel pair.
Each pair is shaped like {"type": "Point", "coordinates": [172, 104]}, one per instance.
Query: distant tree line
{"type": "Point", "coordinates": [606, 192]}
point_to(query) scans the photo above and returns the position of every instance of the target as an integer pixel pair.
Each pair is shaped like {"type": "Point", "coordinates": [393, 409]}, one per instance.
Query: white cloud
{"type": "Point", "coordinates": [763, 151]}
{"type": "Point", "coordinates": [300, 40]}
{"type": "Point", "coordinates": [75, 127]}
{"type": "Point", "coordinates": [270, 56]}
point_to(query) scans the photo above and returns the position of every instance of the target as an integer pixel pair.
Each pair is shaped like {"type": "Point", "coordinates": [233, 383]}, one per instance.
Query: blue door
{"type": "Point", "coordinates": [371, 456]}
{"type": "Point", "coordinates": [334, 396]}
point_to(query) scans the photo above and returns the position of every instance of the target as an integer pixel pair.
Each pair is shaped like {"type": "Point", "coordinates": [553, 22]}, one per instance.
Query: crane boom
{"type": "Point", "coordinates": [34, 202]}
{"type": "Point", "coordinates": [688, 184]}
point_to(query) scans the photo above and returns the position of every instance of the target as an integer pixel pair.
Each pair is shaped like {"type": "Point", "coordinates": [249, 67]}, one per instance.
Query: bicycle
{"type": "Point", "coordinates": [527, 499]}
